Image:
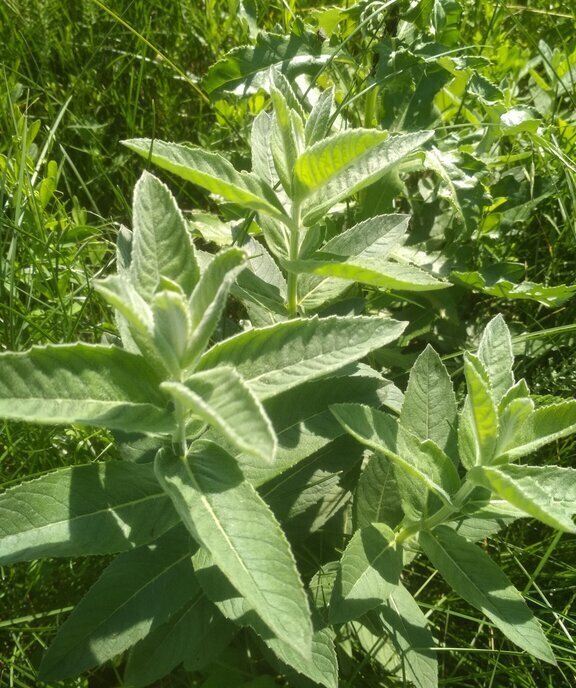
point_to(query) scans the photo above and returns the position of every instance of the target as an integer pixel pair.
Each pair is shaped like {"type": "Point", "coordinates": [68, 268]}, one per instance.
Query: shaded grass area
{"type": "Point", "coordinates": [79, 77]}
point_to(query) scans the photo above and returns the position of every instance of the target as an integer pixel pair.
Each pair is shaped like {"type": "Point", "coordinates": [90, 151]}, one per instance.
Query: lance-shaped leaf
{"type": "Point", "coordinates": [476, 578]}
{"type": "Point", "coordinates": [326, 160]}
{"type": "Point", "coordinates": [262, 160]}
{"type": "Point", "coordinates": [321, 667]}
{"type": "Point", "coordinates": [138, 591]}
{"type": "Point", "coordinates": [496, 354]}
{"type": "Point", "coordinates": [518, 391]}
{"type": "Point", "coordinates": [209, 298]}
{"type": "Point", "coordinates": [303, 424]}
{"type": "Point", "coordinates": [487, 521]}
{"type": "Point", "coordinates": [284, 139]}
{"type": "Point", "coordinates": [547, 493]}
{"type": "Point", "coordinates": [133, 315]}
{"type": "Point", "coordinates": [195, 635]}
{"type": "Point", "coordinates": [85, 384]}
{"type": "Point", "coordinates": [277, 358]}
{"type": "Point", "coordinates": [429, 408]}
{"type": "Point", "coordinates": [482, 414]}
{"type": "Point", "coordinates": [284, 88]}
{"type": "Point", "coordinates": [261, 284]}
{"type": "Point", "coordinates": [319, 120]}
{"type": "Point", "coordinates": [382, 274]}
{"type": "Point", "coordinates": [406, 626]}
{"type": "Point", "coordinates": [553, 296]}
{"type": "Point", "coordinates": [305, 497]}
{"type": "Point", "coordinates": [369, 572]}
{"type": "Point", "coordinates": [417, 471]}
{"type": "Point", "coordinates": [230, 519]}
{"type": "Point", "coordinates": [212, 172]}
{"type": "Point", "coordinates": [544, 425]}
{"type": "Point", "coordinates": [221, 398]}
{"type": "Point", "coordinates": [172, 328]}
{"type": "Point", "coordinates": [374, 238]}
{"type": "Point", "coordinates": [102, 508]}
{"type": "Point", "coordinates": [345, 163]}
{"type": "Point", "coordinates": [377, 498]}
{"type": "Point", "coordinates": [512, 419]}
{"type": "Point", "coordinates": [161, 244]}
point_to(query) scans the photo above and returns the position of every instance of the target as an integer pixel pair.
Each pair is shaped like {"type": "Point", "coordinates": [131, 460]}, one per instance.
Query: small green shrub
{"type": "Point", "coordinates": [240, 449]}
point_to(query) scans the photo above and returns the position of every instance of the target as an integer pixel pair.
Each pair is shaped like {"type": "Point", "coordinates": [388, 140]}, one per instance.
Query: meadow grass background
{"type": "Point", "coordinates": [78, 77]}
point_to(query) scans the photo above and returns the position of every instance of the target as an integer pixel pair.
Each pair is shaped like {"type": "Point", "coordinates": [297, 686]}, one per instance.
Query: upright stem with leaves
{"type": "Point", "coordinates": [240, 449]}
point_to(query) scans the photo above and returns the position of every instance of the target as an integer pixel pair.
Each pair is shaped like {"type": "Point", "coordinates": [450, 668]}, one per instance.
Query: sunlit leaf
{"type": "Point", "coordinates": [474, 576]}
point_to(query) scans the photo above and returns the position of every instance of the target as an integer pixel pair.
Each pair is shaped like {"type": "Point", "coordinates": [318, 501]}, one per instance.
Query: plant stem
{"type": "Point", "coordinates": [443, 514]}
{"type": "Point", "coordinates": [293, 255]}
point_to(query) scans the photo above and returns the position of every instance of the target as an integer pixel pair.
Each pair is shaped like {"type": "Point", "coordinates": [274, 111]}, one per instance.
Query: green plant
{"type": "Point", "coordinates": [235, 460]}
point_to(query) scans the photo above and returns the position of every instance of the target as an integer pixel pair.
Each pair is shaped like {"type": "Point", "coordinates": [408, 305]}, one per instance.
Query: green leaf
{"type": "Point", "coordinates": [429, 408]}
{"type": "Point", "coordinates": [262, 160]}
{"type": "Point", "coordinates": [377, 499]}
{"type": "Point", "coordinates": [284, 141]}
{"type": "Point", "coordinates": [161, 244]}
{"type": "Point", "coordinates": [496, 354]}
{"type": "Point", "coordinates": [481, 408]}
{"type": "Point", "coordinates": [284, 88]}
{"type": "Point", "coordinates": [321, 666]}
{"type": "Point", "coordinates": [221, 398]}
{"type": "Point", "coordinates": [432, 462]}
{"type": "Point", "coordinates": [327, 159]}
{"type": "Point", "coordinates": [228, 517]}
{"type": "Point", "coordinates": [304, 424]}
{"type": "Point", "coordinates": [547, 493]}
{"type": "Point", "coordinates": [246, 69]}
{"type": "Point", "coordinates": [544, 425]}
{"type": "Point", "coordinates": [172, 328]}
{"type": "Point", "coordinates": [212, 172]}
{"type": "Point", "coordinates": [374, 238]}
{"type": "Point", "coordinates": [476, 578]}
{"type": "Point", "coordinates": [512, 419]}
{"type": "Point", "coordinates": [195, 635]}
{"type": "Point", "coordinates": [277, 358]}
{"type": "Point", "coordinates": [319, 121]}
{"type": "Point", "coordinates": [304, 498]}
{"type": "Point", "coordinates": [322, 669]}
{"type": "Point", "coordinates": [378, 273]}
{"type": "Point", "coordinates": [464, 191]}
{"type": "Point", "coordinates": [102, 508]}
{"type": "Point", "coordinates": [504, 288]}
{"type": "Point", "coordinates": [467, 442]}
{"type": "Point", "coordinates": [85, 384]}
{"type": "Point", "coordinates": [369, 572]}
{"type": "Point", "coordinates": [209, 298]}
{"type": "Point", "coordinates": [345, 163]}
{"type": "Point", "coordinates": [518, 391]}
{"type": "Point", "coordinates": [487, 520]}
{"type": "Point", "coordinates": [261, 284]}
{"type": "Point", "coordinates": [403, 621]}
{"type": "Point", "coordinates": [133, 315]}
{"type": "Point", "coordinates": [416, 472]}
{"type": "Point", "coordinates": [138, 591]}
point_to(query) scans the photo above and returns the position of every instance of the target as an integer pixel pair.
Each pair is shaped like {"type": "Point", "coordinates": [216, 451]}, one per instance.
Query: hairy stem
{"type": "Point", "coordinates": [443, 514]}
{"type": "Point", "coordinates": [293, 255]}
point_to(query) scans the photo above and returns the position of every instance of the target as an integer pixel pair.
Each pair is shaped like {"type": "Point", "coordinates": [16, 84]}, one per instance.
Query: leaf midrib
{"type": "Point", "coordinates": [80, 638]}
{"type": "Point", "coordinates": [92, 514]}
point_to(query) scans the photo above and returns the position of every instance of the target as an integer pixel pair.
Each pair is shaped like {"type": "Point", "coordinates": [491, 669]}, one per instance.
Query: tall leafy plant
{"type": "Point", "coordinates": [239, 450]}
